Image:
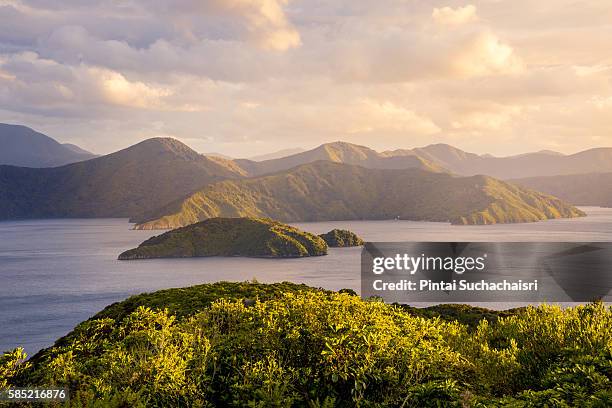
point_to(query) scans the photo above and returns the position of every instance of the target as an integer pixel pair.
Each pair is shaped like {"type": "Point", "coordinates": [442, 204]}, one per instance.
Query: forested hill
{"type": "Point", "coordinates": [332, 191]}
{"type": "Point", "coordinates": [138, 179]}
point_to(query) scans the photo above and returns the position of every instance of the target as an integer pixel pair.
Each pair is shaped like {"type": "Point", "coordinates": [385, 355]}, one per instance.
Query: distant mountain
{"type": "Point", "coordinates": [579, 189]}
{"type": "Point", "coordinates": [22, 146]}
{"type": "Point", "coordinates": [76, 149]}
{"type": "Point", "coordinates": [277, 155]}
{"type": "Point", "coordinates": [333, 191]}
{"type": "Point", "coordinates": [221, 155]}
{"type": "Point", "coordinates": [163, 181]}
{"type": "Point", "coordinates": [549, 152]}
{"type": "Point", "coordinates": [338, 152]}
{"type": "Point", "coordinates": [122, 184]}
{"type": "Point", "coordinates": [543, 163]}
{"type": "Point", "coordinates": [443, 157]}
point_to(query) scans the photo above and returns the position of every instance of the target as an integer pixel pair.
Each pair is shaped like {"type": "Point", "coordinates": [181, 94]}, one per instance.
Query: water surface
{"type": "Point", "coordinates": [57, 273]}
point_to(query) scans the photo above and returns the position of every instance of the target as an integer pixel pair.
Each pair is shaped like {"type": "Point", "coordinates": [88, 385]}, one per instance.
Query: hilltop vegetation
{"type": "Point", "coordinates": [287, 345]}
{"type": "Point", "coordinates": [324, 191]}
{"type": "Point", "coordinates": [231, 237]}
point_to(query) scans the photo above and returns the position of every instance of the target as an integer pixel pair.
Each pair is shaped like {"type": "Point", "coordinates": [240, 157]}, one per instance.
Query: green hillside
{"type": "Point", "coordinates": [331, 191]}
{"type": "Point", "coordinates": [286, 345]}
{"type": "Point", "coordinates": [511, 203]}
{"type": "Point", "coordinates": [230, 237]}
{"type": "Point", "coordinates": [141, 178]}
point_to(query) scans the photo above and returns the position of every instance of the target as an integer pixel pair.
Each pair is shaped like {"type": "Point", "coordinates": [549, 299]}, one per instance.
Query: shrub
{"type": "Point", "coordinates": [321, 349]}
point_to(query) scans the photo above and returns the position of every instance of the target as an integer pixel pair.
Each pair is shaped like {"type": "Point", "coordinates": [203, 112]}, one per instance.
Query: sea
{"type": "Point", "coordinates": [55, 273]}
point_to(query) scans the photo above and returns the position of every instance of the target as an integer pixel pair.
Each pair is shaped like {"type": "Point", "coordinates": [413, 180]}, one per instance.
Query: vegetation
{"type": "Point", "coordinates": [511, 203]}
{"type": "Point", "coordinates": [138, 179]}
{"type": "Point", "coordinates": [330, 191]}
{"type": "Point", "coordinates": [255, 237]}
{"type": "Point", "coordinates": [288, 345]}
{"type": "Point", "coordinates": [341, 238]}
{"type": "Point", "coordinates": [161, 183]}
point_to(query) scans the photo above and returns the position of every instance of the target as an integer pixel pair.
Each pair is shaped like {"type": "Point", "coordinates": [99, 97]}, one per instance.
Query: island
{"type": "Point", "coordinates": [339, 238]}
{"type": "Point", "coordinates": [249, 237]}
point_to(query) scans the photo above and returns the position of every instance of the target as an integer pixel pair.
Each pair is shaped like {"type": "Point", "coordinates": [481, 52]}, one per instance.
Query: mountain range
{"type": "Point", "coordinates": [324, 190]}
{"type": "Point", "coordinates": [443, 157]}
{"type": "Point", "coordinates": [593, 189]}
{"type": "Point", "coordinates": [25, 147]}
{"type": "Point", "coordinates": [137, 179]}
{"type": "Point", "coordinates": [277, 155]}
{"type": "Point", "coordinates": [161, 182]}
{"type": "Point", "coordinates": [543, 163]}
{"type": "Point", "coordinates": [338, 152]}
{"type": "Point", "coordinates": [22, 146]}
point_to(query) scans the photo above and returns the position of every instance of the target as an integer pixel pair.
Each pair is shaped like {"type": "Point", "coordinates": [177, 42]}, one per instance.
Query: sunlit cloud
{"type": "Point", "coordinates": [116, 89]}
{"type": "Point", "coordinates": [244, 77]}
{"type": "Point", "coordinates": [454, 16]}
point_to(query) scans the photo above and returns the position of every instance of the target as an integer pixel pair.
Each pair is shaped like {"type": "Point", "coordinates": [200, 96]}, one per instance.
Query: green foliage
{"type": "Point", "coordinates": [341, 238]}
{"type": "Point", "coordinates": [256, 237]}
{"type": "Point", "coordinates": [321, 349]}
{"type": "Point", "coordinates": [470, 316]}
{"type": "Point", "coordinates": [139, 179]}
{"type": "Point", "coordinates": [323, 191]}
{"type": "Point", "coordinates": [511, 203]}
{"type": "Point", "coordinates": [12, 363]}
{"type": "Point", "coordinates": [187, 301]}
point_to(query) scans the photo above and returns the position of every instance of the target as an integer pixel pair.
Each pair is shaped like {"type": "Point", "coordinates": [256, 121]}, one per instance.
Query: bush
{"type": "Point", "coordinates": [320, 349]}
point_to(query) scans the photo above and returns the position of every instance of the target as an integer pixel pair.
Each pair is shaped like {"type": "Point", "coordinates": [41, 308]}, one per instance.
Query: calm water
{"type": "Point", "coordinates": [57, 273]}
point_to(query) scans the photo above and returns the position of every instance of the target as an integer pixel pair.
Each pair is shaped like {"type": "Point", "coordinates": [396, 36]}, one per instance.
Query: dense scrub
{"type": "Point", "coordinates": [321, 349]}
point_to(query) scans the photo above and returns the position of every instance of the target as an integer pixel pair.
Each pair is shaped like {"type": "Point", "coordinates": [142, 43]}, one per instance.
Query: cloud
{"type": "Point", "coordinates": [250, 76]}
{"type": "Point", "coordinates": [115, 89]}
{"type": "Point", "coordinates": [261, 22]}
{"type": "Point", "coordinates": [489, 120]}
{"type": "Point", "coordinates": [371, 115]}
{"type": "Point", "coordinates": [31, 82]}
{"type": "Point", "coordinates": [484, 54]}
{"type": "Point", "coordinates": [450, 17]}
{"type": "Point", "coordinates": [397, 56]}
{"type": "Point", "coordinates": [266, 22]}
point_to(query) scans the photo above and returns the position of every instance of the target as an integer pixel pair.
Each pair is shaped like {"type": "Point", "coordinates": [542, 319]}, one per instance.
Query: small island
{"type": "Point", "coordinates": [249, 237]}
{"type": "Point", "coordinates": [339, 238]}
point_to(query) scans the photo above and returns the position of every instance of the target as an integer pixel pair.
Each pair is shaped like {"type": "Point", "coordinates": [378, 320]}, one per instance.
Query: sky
{"type": "Point", "coordinates": [246, 77]}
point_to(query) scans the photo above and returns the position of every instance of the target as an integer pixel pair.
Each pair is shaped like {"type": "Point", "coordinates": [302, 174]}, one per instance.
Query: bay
{"type": "Point", "coordinates": [57, 273]}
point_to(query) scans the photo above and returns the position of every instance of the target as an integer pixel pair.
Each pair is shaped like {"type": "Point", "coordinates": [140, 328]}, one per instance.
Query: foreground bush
{"type": "Point", "coordinates": [319, 349]}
